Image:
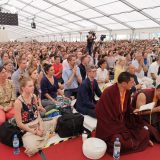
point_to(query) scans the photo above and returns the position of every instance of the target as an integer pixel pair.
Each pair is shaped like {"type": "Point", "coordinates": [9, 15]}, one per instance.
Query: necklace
{"type": "Point", "coordinates": [27, 104]}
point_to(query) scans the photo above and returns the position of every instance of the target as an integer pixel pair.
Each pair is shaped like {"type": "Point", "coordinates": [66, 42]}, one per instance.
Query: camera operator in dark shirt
{"type": "Point", "coordinates": [90, 41]}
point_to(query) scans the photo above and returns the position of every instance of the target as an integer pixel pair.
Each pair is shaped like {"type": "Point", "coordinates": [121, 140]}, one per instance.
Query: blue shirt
{"type": "Point", "coordinates": [66, 74]}
{"type": "Point", "coordinates": [47, 87]}
{"type": "Point", "coordinates": [15, 78]}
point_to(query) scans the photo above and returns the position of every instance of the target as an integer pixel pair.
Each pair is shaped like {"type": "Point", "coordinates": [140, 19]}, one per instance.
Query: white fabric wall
{"type": "Point", "coordinates": [3, 36]}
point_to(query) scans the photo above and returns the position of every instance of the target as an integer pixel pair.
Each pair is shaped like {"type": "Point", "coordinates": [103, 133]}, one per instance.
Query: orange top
{"type": "Point", "coordinates": [122, 98]}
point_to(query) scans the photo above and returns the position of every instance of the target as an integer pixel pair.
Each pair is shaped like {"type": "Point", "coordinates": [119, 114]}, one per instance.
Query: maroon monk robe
{"type": "Point", "coordinates": [155, 117]}
{"type": "Point", "coordinates": [112, 122]}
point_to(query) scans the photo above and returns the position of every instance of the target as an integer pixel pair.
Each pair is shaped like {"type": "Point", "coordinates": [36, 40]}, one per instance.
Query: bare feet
{"type": "Point", "coordinates": [151, 143]}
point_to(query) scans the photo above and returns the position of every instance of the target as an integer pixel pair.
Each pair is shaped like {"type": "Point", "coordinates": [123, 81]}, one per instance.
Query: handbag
{"type": "Point", "coordinates": [7, 131]}
{"type": "Point", "coordinates": [70, 125]}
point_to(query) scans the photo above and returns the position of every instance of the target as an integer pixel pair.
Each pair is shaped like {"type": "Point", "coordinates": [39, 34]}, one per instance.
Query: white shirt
{"type": "Point", "coordinates": [153, 68]}
{"type": "Point", "coordinates": [141, 73]}
{"type": "Point", "coordinates": [101, 74]}
{"type": "Point", "coordinates": [65, 65]}
{"type": "Point", "coordinates": [151, 57]}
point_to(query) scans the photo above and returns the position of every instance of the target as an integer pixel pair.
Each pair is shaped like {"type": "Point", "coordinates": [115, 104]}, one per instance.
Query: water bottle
{"type": "Point", "coordinates": [16, 145]}
{"type": "Point", "coordinates": [116, 150]}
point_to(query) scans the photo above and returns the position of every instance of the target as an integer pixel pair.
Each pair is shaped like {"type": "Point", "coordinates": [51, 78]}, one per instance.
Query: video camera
{"type": "Point", "coordinates": [102, 37]}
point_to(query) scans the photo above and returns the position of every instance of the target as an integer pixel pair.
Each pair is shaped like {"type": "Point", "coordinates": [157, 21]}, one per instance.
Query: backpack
{"type": "Point", "coordinates": [65, 110]}
{"type": "Point", "coordinates": [70, 125]}
{"type": "Point", "coordinates": [7, 131]}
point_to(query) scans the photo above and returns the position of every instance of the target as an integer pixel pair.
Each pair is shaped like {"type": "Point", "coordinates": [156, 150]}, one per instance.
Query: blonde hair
{"type": "Point", "coordinates": [120, 59]}
{"type": "Point", "coordinates": [31, 70]}
{"type": "Point", "coordinates": [23, 81]}
{"type": "Point", "coordinates": [31, 62]}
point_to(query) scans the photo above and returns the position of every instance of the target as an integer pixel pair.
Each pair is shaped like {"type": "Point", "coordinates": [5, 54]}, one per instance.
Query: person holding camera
{"type": "Point", "coordinates": [90, 41]}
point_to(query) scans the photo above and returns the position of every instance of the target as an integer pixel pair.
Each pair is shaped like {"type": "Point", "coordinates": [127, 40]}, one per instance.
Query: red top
{"type": "Point", "coordinates": [57, 68]}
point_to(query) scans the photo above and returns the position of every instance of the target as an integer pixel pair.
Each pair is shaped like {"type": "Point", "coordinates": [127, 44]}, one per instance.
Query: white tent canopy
{"type": "Point", "coordinates": [61, 17]}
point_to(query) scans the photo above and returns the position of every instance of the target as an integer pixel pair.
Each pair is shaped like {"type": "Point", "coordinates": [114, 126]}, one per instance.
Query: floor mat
{"type": "Point", "coordinates": [72, 150]}
{"type": "Point", "coordinates": [6, 153]}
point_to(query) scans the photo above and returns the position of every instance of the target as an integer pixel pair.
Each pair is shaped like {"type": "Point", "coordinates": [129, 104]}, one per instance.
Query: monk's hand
{"type": "Point", "coordinates": [136, 111]}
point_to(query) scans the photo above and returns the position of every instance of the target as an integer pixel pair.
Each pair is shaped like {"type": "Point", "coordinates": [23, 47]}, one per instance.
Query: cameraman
{"type": "Point", "coordinates": [90, 41]}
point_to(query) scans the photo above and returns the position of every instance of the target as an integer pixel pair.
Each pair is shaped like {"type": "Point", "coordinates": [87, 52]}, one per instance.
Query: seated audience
{"type": "Point", "coordinates": [7, 96]}
{"type": "Point", "coordinates": [128, 59]}
{"type": "Point", "coordinates": [8, 65]}
{"type": "Point", "coordinates": [110, 60]}
{"type": "Point", "coordinates": [154, 69]}
{"type": "Point", "coordinates": [33, 63]}
{"type": "Point", "coordinates": [5, 57]}
{"type": "Point", "coordinates": [91, 62]}
{"type": "Point", "coordinates": [65, 64]}
{"type": "Point", "coordinates": [86, 102]}
{"type": "Point", "coordinates": [71, 77]}
{"type": "Point", "coordinates": [82, 66]}
{"type": "Point", "coordinates": [49, 88]}
{"type": "Point", "coordinates": [78, 57]}
{"type": "Point", "coordinates": [57, 65]}
{"type": "Point", "coordinates": [116, 118]}
{"type": "Point", "coordinates": [146, 96]}
{"type": "Point", "coordinates": [22, 63]}
{"type": "Point", "coordinates": [120, 67]}
{"type": "Point", "coordinates": [33, 74]}
{"type": "Point", "coordinates": [95, 59]}
{"type": "Point", "coordinates": [28, 119]}
{"type": "Point", "coordinates": [137, 86]}
{"type": "Point", "coordinates": [102, 73]}
{"type": "Point", "coordinates": [138, 62]}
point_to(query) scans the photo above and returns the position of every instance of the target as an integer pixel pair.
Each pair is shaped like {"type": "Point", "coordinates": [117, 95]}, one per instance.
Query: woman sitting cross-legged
{"type": "Point", "coordinates": [49, 88]}
{"type": "Point", "coordinates": [7, 96]}
{"type": "Point", "coordinates": [28, 119]}
{"type": "Point", "coordinates": [33, 74]}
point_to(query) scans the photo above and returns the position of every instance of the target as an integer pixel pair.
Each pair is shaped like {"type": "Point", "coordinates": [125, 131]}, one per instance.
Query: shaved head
{"type": "Point", "coordinates": [131, 69]}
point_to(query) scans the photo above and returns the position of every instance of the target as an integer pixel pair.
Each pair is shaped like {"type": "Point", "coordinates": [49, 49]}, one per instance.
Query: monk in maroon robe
{"type": "Point", "coordinates": [116, 118]}
{"type": "Point", "coordinates": [151, 118]}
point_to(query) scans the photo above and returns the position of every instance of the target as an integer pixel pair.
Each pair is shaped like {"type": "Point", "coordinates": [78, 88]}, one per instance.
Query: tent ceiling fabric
{"type": "Point", "coordinates": [58, 16]}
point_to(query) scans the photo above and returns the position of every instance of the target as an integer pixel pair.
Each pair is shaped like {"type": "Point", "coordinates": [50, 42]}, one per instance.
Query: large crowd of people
{"type": "Point", "coordinates": [107, 83]}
